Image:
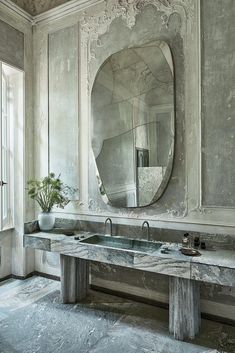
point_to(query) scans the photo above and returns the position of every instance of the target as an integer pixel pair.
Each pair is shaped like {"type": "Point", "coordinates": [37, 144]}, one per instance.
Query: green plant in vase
{"type": "Point", "coordinates": [48, 192]}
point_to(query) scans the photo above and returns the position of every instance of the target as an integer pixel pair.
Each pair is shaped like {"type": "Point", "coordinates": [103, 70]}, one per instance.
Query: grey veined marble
{"type": "Point", "coordinates": [101, 324]}
{"type": "Point", "coordinates": [184, 273]}
{"type": "Point", "coordinates": [185, 315]}
{"type": "Point", "coordinates": [213, 241]}
{"type": "Point", "coordinates": [213, 266]}
{"type": "Point", "coordinates": [74, 279]}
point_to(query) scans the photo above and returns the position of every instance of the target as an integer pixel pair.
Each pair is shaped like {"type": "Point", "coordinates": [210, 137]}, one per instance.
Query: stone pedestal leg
{"type": "Point", "coordinates": [74, 278]}
{"type": "Point", "coordinates": [184, 308]}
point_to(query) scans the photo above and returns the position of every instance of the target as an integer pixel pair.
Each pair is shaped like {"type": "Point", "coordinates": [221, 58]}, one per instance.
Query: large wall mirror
{"type": "Point", "coordinates": [133, 124]}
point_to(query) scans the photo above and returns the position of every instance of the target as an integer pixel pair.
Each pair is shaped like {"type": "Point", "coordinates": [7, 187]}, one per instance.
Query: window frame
{"type": "Point", "coordinates": [7, 146]}
{"type": "Point", "coordinates": [4, 156]}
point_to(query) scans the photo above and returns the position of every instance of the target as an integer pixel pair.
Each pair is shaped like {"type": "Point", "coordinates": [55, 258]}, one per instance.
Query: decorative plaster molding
{"type": "Point", "coordinates": [127, 9]}
{"type": "Point", "coordinates": [9, 5]}
{"type": "Point", "coordinates": [68, 8]}
{"type": "Point", "coordinates": [196, 216]}
{"type": "Point", "coordinates": [94, 26]}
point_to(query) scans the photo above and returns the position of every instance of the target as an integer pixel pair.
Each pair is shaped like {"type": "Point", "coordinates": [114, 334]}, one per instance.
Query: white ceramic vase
{"type": "Point", "coordinates": [46, 220]}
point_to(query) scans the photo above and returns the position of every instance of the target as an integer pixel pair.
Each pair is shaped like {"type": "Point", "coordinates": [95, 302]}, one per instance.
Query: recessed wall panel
{"type": "Point", "coordinates": [218, 103]}
{"type": "Point", "coordinates": [63, 104]}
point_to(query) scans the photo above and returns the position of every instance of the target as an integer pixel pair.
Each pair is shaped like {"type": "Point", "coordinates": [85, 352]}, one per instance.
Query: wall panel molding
{"type": "Point", "coordinates": [92, 23]}
{"type": "Point", "coordinates": [63, 10]}
{"type": "Point", "coordinates": [9, 6]}
{"type": "Point", "coordinates": [56, 13]}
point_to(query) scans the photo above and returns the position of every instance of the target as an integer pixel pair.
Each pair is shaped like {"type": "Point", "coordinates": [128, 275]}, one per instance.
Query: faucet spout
{"type": "Point", "coordinates": [148, 229]}
{"type": "Point", "coordinates": [111, 225]}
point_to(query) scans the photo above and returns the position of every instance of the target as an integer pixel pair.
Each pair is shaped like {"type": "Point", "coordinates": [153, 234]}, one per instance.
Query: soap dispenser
{"type": "Point", "coordinates": [185, 240]}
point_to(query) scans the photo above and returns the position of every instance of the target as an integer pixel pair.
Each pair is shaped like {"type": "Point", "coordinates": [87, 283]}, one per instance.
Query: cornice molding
{"type": "Point", "coordinates": [10, 5]}
{"type": "Point", "coordinates": [68, 8]}
{"type": "Point", "coordinates": [58, 12]}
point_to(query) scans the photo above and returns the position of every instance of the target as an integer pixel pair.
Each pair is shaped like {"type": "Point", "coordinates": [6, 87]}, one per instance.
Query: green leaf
{"type": "Point", "coordinates": [50, 191]}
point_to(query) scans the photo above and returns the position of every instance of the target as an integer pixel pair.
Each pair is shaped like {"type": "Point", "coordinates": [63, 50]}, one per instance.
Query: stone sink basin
{"type": "Point", "coordinates": [122, 243]}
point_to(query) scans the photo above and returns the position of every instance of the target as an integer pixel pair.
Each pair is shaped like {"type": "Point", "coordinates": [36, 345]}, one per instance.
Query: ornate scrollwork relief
{"type": "Point", "coordinates": [94, 26]}
{"type": "Point", "coordinates": [186, 13]}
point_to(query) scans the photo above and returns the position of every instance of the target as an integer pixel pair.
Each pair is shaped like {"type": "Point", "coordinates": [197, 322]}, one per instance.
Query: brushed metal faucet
{"type": "Point", "coordinates": [111, 225]}
{"type": "Point", "coordinates": [148, 229]}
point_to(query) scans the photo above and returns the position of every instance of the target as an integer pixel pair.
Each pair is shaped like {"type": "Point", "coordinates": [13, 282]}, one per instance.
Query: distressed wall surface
{"type": "Point", "coordinates": [218, 102]}
{"type": "Point", "coordinates": [63, 104]}
{"type": "Point", "coordinates": [172, 211]}
{"type": "Point", "coordinates": [5, 253]}
{"type": "Point", "coordinates": [35, 7]}
{"type": "Point", "coordinates": [11, 45]}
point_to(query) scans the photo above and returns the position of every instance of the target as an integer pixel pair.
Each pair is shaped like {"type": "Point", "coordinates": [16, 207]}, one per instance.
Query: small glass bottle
{"type": "Point", "coordinates": [185, 240]}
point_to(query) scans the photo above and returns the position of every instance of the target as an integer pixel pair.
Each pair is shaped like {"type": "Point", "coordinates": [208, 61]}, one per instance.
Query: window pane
{"type": "Point", "coordinates": [5, 149]}
{"type": "Point", "coordinates": [11, 126]}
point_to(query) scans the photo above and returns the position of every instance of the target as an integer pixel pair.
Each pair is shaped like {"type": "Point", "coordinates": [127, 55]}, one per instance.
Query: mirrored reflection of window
{"type": "Point", "coordinates": [11, 111]}
{"type": "Point", "coordinates": [132, 105]}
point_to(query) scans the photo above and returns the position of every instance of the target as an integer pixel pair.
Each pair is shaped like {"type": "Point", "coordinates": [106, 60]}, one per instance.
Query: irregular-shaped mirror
{"type": "Point", "coordinates": [133, 124]}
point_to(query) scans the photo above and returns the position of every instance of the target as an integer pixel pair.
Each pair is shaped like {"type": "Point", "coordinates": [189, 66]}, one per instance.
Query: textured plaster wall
{"type": "Point", "coordinates": [35, 7]}
{"type": "Point", "coordinates": [63, 104]}
{"type": "Point", "coordinates": [11, 45]}
{"type": "Point", "coordinates": [173, 205]}
{"type": "Point", "coordinates": [5, 253]}
{"type": "Point", "coordinates": [218, 102]}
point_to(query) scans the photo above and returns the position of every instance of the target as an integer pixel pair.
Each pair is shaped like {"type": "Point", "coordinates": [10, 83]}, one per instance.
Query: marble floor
{"type": "Point", "coordinates": [33, 320]}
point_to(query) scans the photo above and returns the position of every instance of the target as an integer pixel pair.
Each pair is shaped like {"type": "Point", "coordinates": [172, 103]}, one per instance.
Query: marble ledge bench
{"type": "Point", "coordinates": [185, 273]}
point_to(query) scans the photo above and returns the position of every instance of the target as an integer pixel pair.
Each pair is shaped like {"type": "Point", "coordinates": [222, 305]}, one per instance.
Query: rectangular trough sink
{"type": "Point", "coordinates": [122, 243]}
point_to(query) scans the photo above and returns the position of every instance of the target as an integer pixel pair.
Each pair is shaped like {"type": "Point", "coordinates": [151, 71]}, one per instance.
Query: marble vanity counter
{"type": "Point", "coordinates": [213, 266]}
{"type": "Point", "coordinates": [222, 258]}
{"type": "Point", "coordinates": [185, 273]}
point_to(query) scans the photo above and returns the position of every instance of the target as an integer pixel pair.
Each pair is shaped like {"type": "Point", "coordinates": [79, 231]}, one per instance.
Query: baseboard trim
{"type": "Point", "coordinates": [5, 278]}
{"type": "Point", "coordinates": [133, 297]}
{"type": "Point", "coordinates": [221, 320]}
{"type": "Point", "coordinates": [31, 274]}
{"type": "Point", "coordinates": [22, 277]}
{"type": "Point", "coordinates": [205, 316]}
{"type": "Point", "coordinates": [46, 275]}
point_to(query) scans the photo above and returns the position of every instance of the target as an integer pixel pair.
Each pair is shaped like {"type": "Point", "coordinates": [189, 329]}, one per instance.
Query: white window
{"type": "Point", "coordinates": [11, 108]}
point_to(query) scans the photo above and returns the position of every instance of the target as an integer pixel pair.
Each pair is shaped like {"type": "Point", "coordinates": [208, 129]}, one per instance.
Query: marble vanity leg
{"type": "Point", "coordinates": [74, 278]}
{"type": "Point", "coordinates": [184, 308]}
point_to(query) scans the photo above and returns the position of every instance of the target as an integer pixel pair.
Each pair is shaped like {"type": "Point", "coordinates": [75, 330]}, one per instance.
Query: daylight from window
{"type": "Point", "coordinates": [11, 113]}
